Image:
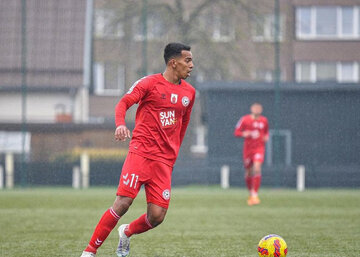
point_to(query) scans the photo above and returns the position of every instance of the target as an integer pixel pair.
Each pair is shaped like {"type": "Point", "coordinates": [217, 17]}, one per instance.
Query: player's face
{"type": "Point", "coordinates": [184, 64]}
{"type": "Point", "coordinates": [256, 109]}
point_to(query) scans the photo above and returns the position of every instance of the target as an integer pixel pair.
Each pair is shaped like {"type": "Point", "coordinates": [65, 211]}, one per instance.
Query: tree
{"type": "Point", "coordinates": [218, 31]}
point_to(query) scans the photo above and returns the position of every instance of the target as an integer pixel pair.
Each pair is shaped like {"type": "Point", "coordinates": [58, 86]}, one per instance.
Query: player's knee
{"type": "Point", "coordinates": [121, 205]}
{"type": "Point", "coordinates": [156, 218]}
{"type": "Point", "coordinates": [257, 172]}
{"type": "Point", "coordinates": [257, 169]}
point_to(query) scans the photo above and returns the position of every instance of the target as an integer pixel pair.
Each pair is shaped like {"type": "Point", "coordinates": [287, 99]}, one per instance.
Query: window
{"type": "Point", "coordinates": [217, 24]}
{"type": "Point", "coordinates": [330, 22]}
{"type": "Point", "coordinates": [304, 72]}
{"type": "Point", "coordinates": [342, 72]}
{"type": "Point", "coordinates": [326, 21]}
{"type": "Point", "coordinates": [264, 28]}
{"type": "Point", "coordinates": [223, 28]}
{"type": "Point", "coordinates": [304, 21]}
{"type": "Point", "coordinates": [348, 72]}
{"type": "Point", "coordinates": [266, 75]}
{"type": "Point", "coordinates": [326, 71]}
{"type": "Point", "coordinates": [155, 27]}
{"type": "Point", "coordinates": [347, 21]}
{"type": "Point", "coordinates": [107, 24]}
{"type": "Point", "coordinates": [200, 76]}
{"type": "Point", "coordinates": [109, 79]}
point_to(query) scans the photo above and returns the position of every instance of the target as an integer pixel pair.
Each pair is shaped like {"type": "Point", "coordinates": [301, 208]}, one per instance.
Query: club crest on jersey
{"type": "Point", "coordinates": [185, 101]}
{"type": "Point", "coordinates": [174, 98]}
{"type": "Point", "coordinates": [167, 118]}
{"type": "Point", "coordinates": [166, 194]}
{"type": "Point", "coordinates": [259, 125]}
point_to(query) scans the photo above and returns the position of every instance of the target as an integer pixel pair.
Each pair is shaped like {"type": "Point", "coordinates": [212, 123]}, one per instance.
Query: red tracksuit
{"type": "Point", "coordinates": [161, 120]}
{"type": "Point", "coordinates": [254, 145]}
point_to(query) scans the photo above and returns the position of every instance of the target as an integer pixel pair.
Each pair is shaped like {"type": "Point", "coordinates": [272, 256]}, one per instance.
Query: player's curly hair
{"type": "Point", "coordinates": [174, 50]}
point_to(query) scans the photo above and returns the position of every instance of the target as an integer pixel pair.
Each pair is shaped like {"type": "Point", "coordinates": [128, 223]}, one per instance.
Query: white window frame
{"type": "Point", "coordinates": [99, 89]}
{"type": "Point", "coordinates": [268, 75]}
{"type": "Point", "coordinates": [313, 72]}
{"type": "Point", "coordinates": [339, 34]}
{"type": "Point", "coordinates": [267, 37]}
{"type": "Point", "coordinates": [340, 25]}
{"type": "Point", "coordinates": [355, 77]}
{"type": "Point", "coordinates": [299, 33]}
{"type": "Point", "coordinates": [137, 29]}
{"type": "Point", "coordinates": [217, 34]}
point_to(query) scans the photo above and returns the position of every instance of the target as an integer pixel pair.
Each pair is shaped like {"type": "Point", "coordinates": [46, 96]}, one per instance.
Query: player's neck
{"type": "Point", "coordinates": [171, 77]}
{"type": "Point", "coordinates": [255, 117]}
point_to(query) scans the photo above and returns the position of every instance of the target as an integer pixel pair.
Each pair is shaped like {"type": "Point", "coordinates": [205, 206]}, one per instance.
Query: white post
{"type": "Point", "coordinates": [84, 95]}
{"type": "Point", "coordinates": [300, 178]}
{"type": "Point", "coordinates": [9, 170]}
{"type": "Point", "coordinates": [1, 177]}
{"type": "Point", "coordinates": [76, 178]}
{"type": "Point", "coordinates": [85, 169]}
{"type": "Point", "coordinates": [224, 174]}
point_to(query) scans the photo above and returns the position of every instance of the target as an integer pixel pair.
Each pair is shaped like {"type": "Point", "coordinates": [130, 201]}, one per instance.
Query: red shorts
{"type": "Point", "coordinates": [154, 175]}
{"type": "Point", "coordinates": [253, 156]}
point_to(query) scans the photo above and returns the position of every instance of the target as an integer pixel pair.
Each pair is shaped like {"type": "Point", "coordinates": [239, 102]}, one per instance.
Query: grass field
{"type": "Point", "coordinates": [201, 221]}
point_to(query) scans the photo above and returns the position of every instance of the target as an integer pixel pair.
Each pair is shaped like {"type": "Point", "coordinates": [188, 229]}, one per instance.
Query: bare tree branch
{"type": "Point", "coordinates": [165, 6]}
{"type": "Point", "coordinates": [179, 13]}
{"type": "Point", "coordinates": [200, 8]}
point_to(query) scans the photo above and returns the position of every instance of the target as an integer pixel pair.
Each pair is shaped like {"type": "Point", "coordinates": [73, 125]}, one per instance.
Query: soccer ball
{"type": "Point", "coordinates": [272, 246]}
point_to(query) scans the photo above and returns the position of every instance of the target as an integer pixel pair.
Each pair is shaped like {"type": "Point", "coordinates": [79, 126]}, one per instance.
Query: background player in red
{"type": "Point", "coordinates": [255, 129]}
{"type": "Point", "coordinates": [165, 103]}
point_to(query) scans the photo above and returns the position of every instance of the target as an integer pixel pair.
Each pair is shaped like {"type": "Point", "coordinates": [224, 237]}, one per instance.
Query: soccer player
{"type": "Point", "coordinates": [255, 129]}
{"type": "Point", "coordinates": [165, 103]}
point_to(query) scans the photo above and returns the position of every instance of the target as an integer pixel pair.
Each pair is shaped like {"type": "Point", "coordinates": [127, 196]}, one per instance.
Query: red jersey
{"type": "Point", "coordinates": [259, 129]}
{"type": "Point", "coordinates": [161, 119]}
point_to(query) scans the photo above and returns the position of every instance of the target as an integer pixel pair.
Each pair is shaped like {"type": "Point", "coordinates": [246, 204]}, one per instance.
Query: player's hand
{"type": "Point", "coordinates": [122, 133]}
{"type": "Point", "coordinates": [266, 138]}
{"type": "Point", "coordinates": [255, 134]}
{"type": "Point", "coordinates": [246, 133]}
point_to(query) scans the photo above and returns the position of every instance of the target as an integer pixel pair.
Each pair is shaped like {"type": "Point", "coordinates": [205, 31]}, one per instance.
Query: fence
{"type": "Point", "coordinates": [314, 122]}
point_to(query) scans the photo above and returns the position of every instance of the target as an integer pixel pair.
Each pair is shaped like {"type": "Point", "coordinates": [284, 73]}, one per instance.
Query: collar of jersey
{"type": "Point", "coordinates": [162, 76]}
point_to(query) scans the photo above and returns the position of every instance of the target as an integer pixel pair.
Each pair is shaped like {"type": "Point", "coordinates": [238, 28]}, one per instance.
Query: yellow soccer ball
{"type": "Point", "coordinates": [272, 246]}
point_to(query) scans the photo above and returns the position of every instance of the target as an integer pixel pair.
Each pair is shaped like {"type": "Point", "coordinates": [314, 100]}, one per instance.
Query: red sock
{"type": "Point", "coordinates": [138, 226]}
{"type": "Point", "coordinates": [257, 182]}
{"type": "Point", "coordinates": [248, 181]}
{"type": "Point", "coordinates": [107, 222]}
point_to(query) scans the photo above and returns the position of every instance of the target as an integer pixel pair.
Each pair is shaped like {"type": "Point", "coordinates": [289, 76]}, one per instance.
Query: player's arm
{"type": "Point", "coordinates": [134, 95]}
{"type": "Point", "coordinates": [240, 129]}
{"type": "Point", "coordinates": [186, 120]}
{"type": "Point", "coordinates": [266, 130]}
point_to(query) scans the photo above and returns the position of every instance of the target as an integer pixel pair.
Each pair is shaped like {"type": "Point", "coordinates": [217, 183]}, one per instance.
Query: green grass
{"type": "Point", "coordinates": [201, 221]}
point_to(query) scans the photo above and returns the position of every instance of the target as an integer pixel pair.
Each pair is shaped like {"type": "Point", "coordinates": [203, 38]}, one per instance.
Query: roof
{"type": "Point", "coordinates": [39, 89]}
{"type": "Point", "coordinates": [54, 43]}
